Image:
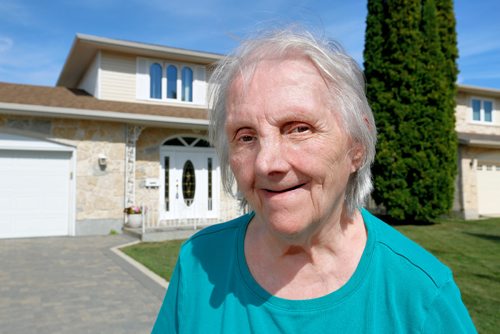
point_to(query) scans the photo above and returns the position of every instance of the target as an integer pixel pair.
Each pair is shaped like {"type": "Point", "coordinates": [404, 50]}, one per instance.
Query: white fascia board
{"type": "Point", "coordinates": [145, 119]}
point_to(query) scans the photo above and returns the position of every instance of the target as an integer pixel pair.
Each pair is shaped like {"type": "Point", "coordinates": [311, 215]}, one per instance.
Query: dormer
{"type": "Point", "coordinates": [127, 71]}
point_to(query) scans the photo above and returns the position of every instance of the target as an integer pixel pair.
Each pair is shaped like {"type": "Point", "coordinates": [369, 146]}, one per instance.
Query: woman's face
{"type": "Point", "coordinates": [287, 149]}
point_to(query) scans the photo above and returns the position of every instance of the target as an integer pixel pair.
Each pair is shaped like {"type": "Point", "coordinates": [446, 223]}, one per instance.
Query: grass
{"type": "Point", "coordinates": [160, 257]}
{"type": "Point", "coordinates": [470, 248]}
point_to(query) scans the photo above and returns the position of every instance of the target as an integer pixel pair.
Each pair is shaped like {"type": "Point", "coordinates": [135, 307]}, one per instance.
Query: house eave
{"type": "Point", "coordinates": [85, 47]}
{"type": "Point", "coordinates": [89, 114]}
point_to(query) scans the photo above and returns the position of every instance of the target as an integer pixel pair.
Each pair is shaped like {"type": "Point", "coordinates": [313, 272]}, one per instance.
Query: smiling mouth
{"type": "Point", "coordinates": [285, 190]}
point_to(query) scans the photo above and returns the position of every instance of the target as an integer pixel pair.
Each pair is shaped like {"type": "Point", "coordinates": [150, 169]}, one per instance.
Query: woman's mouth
{"type": "Point", "coordinates": [285, 190]}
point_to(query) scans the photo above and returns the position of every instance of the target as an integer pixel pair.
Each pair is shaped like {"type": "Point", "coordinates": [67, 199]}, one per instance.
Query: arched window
{"type": "Point", "coordinates": [155, 81]}
{"type": "Point", "coordinates": [171, 82]}
{"type": "Point", "coordinates": [187, 84]}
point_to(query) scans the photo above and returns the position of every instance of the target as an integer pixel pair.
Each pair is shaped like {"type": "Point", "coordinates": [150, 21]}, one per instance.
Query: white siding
{"type": "Point", "coordinates": [90, 81]}
{"type": "Point", "coordinates": [117, 76]}
{"type": "Point", "coordinates": [142, 79]}
{"type": "Point", "coordinates": [199, 85]}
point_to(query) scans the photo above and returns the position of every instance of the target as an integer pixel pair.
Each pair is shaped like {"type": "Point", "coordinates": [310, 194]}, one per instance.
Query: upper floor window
{"type": "Point", "coordinates": [155, 74]}
{"type": "Point", "coordinates": [187, 84]}
{"type": "Point", "coordinates": [171, 82]}
{"type": "Point", "coordinates": [482, 110]}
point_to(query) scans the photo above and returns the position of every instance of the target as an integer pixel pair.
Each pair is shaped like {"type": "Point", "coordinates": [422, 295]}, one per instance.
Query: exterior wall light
{"type": "Point", "coordinates": [102, 160]}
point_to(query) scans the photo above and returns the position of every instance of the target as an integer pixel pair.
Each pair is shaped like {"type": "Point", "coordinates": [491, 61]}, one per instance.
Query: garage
{"type": "Point", "coordinates": [36, 187]}
{"type": "Point", "coordinates": [488, 188]}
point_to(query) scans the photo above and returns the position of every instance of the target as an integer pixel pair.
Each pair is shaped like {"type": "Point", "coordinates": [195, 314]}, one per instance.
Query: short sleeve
{"type": "Point", "coordinates": [447, 313]}
{"type": "Point", "coordinates": [168, 316]}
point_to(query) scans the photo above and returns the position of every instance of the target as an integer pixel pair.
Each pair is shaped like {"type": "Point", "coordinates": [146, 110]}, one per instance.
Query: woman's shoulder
{"type": "Point", "coordinates": [221, 230]}
{"type": "Point", "coordinates": [397, 248]}
{"type": "Point", "coordinates": [216, 238]}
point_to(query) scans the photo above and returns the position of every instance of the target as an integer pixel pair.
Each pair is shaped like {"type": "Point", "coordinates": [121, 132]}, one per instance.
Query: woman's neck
{"type": "Point", "coordinates": [306, 266]}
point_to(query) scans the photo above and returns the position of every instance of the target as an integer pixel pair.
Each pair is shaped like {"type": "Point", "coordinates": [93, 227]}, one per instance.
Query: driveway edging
{"type": "Point", "coordinates": [139, 266]}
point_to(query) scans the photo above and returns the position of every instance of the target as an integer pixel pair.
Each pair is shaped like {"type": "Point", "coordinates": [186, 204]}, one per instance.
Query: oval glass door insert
{"type": "Point", "coordinates": [188, 182]}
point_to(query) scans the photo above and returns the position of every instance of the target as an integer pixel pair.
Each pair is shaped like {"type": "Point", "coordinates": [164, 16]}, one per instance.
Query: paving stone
{"type": "Point", "coordinates": [73, 285]}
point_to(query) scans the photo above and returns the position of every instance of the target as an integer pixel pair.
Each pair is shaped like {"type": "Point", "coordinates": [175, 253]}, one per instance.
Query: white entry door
{"type": "Point", "coordinates": [190, 184]}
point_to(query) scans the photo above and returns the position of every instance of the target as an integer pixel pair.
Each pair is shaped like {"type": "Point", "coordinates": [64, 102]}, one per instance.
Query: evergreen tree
{"type": "Point", "coordinates": [408, 70]}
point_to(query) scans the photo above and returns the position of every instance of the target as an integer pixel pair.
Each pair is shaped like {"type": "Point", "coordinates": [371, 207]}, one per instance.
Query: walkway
{"type": "Point", "coordinates": [73, 285]}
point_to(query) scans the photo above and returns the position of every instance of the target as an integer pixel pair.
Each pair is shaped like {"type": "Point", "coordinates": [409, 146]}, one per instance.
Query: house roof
{"type": "Point", "coordinates": [491, 92]}
{"type": "Point", "coordinates": [85, 47]}
{"type": "Point", "coordinates": [76, 103]}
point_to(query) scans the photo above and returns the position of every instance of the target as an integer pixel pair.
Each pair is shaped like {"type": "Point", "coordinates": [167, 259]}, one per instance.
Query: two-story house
{"type": "Point", "coordinates": [127, 125]}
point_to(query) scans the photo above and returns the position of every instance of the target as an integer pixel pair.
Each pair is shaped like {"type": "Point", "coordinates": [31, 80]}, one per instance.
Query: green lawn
{"type": "Point", "coordinates": [471, 249]}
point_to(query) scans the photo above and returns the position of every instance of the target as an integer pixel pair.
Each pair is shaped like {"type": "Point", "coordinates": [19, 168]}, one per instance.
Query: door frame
{"type": "Point", "coordinates": [216, 180]}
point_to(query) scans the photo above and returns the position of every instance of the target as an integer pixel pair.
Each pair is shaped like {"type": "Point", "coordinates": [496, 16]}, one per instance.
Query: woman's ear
{"type": "Point", "coordinates": [357, 157]}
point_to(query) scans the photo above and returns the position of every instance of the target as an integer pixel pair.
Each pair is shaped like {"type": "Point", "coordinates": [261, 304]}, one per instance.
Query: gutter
{"type": "Point", "coordinates": [90, 114]}
{"type": "Point", "coordinates": [479, 142]}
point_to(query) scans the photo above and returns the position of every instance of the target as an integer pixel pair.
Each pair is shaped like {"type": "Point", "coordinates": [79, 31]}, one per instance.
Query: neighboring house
{"type": "Point", "coordinates": [478, 128]}
{"type": "Point", "coordinates": [127, 125]}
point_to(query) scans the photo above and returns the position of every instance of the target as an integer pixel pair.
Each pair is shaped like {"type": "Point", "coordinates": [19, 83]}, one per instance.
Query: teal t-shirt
{"type": "Point", "coordinates": [397, 287]}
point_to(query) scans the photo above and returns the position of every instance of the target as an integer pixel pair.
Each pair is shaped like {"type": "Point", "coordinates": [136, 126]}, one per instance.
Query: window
{"type": "Point", "coordinates": [155, 81]}
{"type": "Point", "coordinates": [188, 182]}
{"type": "Point", "coordinates": [187, 84]}
{"type": "Point", "coordinates": [482, 110]}
{"type": "Point", "coordinates": [171, 82]}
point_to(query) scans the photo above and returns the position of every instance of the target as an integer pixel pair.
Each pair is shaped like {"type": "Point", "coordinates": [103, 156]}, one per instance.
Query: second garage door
{"type": "Point", "coordinates": [488, 188]}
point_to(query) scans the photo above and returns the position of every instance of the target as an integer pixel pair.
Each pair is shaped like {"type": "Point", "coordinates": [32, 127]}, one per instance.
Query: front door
{"type": "Point", "coordinates": [190, 184]}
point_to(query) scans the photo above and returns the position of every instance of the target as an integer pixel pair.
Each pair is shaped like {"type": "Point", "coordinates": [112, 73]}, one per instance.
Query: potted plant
{"type": "Point", "coordinates": [134, 215]}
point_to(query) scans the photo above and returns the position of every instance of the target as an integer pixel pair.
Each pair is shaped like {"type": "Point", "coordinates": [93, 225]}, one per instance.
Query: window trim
{"type": "Point", "coordinates": [481, 111]}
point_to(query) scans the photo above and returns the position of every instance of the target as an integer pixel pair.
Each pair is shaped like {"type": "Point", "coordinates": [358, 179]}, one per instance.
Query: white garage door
{"type": "Point", "coordinates": [34, 193]}
{"type": "Point", "coordinates": [488, 189]}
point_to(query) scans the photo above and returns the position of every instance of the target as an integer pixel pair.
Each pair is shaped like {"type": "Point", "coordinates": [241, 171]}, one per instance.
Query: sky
{"type": "Point", "coordinates": [36, 35]}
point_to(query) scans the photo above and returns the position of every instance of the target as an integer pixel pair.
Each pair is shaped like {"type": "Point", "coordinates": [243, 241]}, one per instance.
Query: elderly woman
{"type": "Point", "coordinates": [291, 122]}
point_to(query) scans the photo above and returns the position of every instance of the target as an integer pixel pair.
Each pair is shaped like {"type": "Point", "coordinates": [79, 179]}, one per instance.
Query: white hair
{"type": "Point", "coordinates": [345, 82]}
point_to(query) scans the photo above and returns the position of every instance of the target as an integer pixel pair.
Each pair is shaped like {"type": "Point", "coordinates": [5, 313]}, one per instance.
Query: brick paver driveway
{"type": "Point", "coordinates": [73, 285]}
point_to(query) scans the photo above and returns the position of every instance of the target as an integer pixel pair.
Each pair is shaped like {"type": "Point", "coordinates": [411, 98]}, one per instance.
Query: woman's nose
{"type": "Point", "coordinates": [271, 157]}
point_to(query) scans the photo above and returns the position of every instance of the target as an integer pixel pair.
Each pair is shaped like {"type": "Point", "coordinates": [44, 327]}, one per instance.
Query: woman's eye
{"type": "Point", "coordinates": [246, 138]}
{"type": "Point", "coordinates": [301, 128]}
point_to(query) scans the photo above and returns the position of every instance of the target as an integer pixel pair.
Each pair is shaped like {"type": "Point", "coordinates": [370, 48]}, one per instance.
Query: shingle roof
{"type": "Point", "coordinates": [78, 99]}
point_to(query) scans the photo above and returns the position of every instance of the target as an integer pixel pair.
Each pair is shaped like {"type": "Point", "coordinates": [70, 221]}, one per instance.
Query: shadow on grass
{"type": "Point", "coordinates": [490, 237]}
